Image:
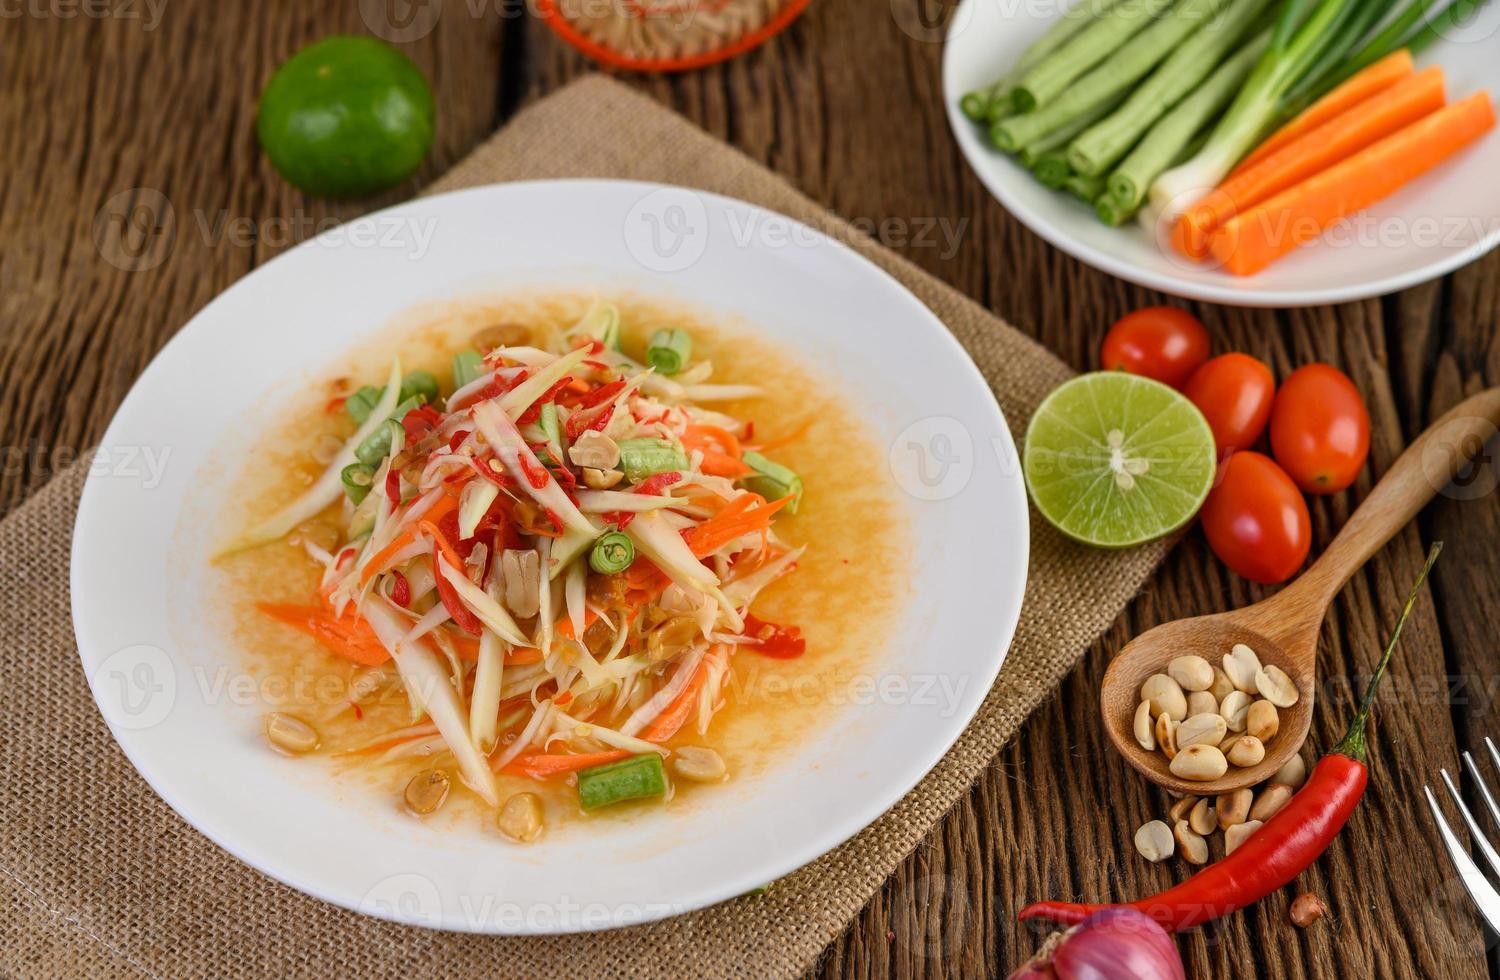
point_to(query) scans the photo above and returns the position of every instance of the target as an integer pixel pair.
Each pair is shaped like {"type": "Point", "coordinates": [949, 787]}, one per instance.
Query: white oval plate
{"type": "Point", "coordinates": [164, 680]}
{"type": "Point", "coordinates": [1445, 219]}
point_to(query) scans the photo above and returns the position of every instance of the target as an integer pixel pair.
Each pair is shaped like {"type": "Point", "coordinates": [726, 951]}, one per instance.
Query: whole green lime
{"type": "Point", "coordinates": [346, 116]}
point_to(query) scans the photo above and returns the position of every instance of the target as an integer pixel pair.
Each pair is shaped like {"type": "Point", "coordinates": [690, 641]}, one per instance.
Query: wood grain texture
{"type": "Point", "coordinates": [104, 123]}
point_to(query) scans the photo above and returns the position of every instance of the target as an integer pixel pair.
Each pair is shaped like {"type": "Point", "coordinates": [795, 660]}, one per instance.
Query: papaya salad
{"type": "Point", "coordinates": [551, 557]}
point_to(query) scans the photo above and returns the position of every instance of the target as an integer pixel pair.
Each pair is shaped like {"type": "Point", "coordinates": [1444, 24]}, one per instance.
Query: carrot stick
{"type": "Point", "coordinates": [542, 766]}
{"type": "Point", "coordinates": [1396, 108]}
{"type": "Point", "coordinates": [1371, 81]}
{"type": "Point", "coordinates": [435, 513]}
{"type": "Point", "coordinates": [674, 715]}
{"type": "Point", "coordinates": [1253, 240]}
{"type": "Point", "coordinates": [347, 636]}
{"type": "Point", "coordinates": [740, 517]}
{"type": "Point", "coordinates": [723, 464]}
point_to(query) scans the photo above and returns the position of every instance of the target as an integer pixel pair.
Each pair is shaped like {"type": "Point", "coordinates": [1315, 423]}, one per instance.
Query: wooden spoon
{"type": "Point", "coordinates": [1283, 630]}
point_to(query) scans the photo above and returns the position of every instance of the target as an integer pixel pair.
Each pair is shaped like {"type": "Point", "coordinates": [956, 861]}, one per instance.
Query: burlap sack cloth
{"type": "Point", "coordinates": [99, 878]}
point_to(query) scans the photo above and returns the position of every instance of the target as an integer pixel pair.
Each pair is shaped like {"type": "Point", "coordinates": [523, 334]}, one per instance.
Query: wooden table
{"type": "Point", "coordinates": [141, 94]}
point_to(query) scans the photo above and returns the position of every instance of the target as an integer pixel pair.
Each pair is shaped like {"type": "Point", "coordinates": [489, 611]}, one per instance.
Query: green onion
{"type": "Point", "coordinates": [357, 478]}
{"type": "Point", "coordinates": [1303, 45]}
{"type": "Point", "coordinates": [640, 458]}
{"type": "Point", "coordinates": [772, 480]}
{"type": "Point", "coordinates": [1104, 144]}
{"type": "Point", "coordinates": [635, 778]}
{"type": "Point", "coordinates": [360, 404]}
{"type": "Point", "coordinates": [1166, 140]}
{"type": "Point", "coordinates": [421, 385]}
{"type": "Point", "coordinates": [1055, 74]}
{"type": "Point", "coordinates": [669, 350]}
{"type": "Point", "coordinates": [612, 553]}
{"type": "Point", "coordinates": [1113, 78]}
{"type": "Point", "coordinates": [467, 366]}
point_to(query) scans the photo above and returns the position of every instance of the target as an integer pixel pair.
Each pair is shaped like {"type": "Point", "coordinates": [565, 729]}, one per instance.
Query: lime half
{"type": "Point", "coordinates": [1113, 459]}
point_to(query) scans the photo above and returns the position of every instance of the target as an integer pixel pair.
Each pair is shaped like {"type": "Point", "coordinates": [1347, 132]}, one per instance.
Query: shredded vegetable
{"type": "Point", "coordinates": [558, 547]}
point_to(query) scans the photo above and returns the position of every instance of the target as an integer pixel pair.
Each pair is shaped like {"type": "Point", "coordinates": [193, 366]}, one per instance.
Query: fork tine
{"type": "Point", "coordinates": [1480, 840]}
{"type": "Point", "coordinates": [1474, 881]}
{"type": "Point", "coordinates": [1484, 789]}
{"type": "Point", "coordinates": [1494, 755]}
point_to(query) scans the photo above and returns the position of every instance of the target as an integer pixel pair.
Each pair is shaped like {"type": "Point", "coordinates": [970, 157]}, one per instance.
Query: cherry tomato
{"type": "Point", "coordinates": [1159, 342]}
{"type": "Point", "coordinates": [1234, 392]}
{"type": "Point", "coordinates": [1256, 519]}
{"type": "Point", "coordinates": [1320, 430]}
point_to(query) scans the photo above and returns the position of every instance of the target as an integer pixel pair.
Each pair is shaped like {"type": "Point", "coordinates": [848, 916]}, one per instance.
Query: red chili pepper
{"type": "Point", "coordinates": [594, 346]}
{"type": "Point", "coordinates": [1278, 852]}
{"type": "Point", "coordinates": [776, 641]}
{"type": "Point", "coordinates": [536, 473]}
{"type": "Point", "coordinates": [457, 440]}
{"type": "Point", "coordinates": [602, 394]}
{"type": "Point", "coordinates": [534, 410]}
{"type": "Point", "coordinates": [393, 487]}
{"type": "Point", "coordinates": [581, 422]}
{"type": "Point", "coordinates": [420, 421]}
{"type": "Point", "coordinates": [467, 621]}
{"type": "Point", "coordinates": [400, 590]}
{"type": "Point", "coordinates": [334, 404]}
{"type": "Point", "coordinates": [619, 518]}
{"type": "Point", "coordinates": [653, 486]}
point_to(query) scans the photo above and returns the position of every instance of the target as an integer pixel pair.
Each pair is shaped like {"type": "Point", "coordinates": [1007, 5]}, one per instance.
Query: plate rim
{"type": "Point", "coordinates": [1001, 636]}
{"type": "Point", "coordinates": [1251, 296]}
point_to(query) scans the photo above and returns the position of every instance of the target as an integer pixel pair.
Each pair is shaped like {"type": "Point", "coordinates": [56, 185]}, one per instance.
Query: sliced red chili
{"type": "Point", "coordinates": [420, 421]}
{"type": "Point", "coordinates": [776, 641]}
{"type": "Point", "coordinates": [536, 473]}
{"type": "Point", "coordinates": [393, 487]}
{"type": "Point", "coordinates": [466, 620]}
{"type": "Point", "coordinates": [619, 518]}
{"type": "Point", "coordinates": [400, 590]}
{"type": "Point", "coordinates": [534, 410]}
{"type": "Point", "coordinates": [602, 394]}
{"type": "Point", "coordinates": [457, 440]}
{"type": "Point", "coordinates": [580, 422]}
{"type": "Point", "coordinates": [653, 486]}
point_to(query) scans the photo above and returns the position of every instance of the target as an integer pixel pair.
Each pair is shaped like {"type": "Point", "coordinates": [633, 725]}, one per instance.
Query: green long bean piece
{"type": "Point", "coordinates": [1106, 143]}
{"type": "Point", "coordinates": [1164, 142]}
{"type": "Point", "coordinates": [1055, 73]}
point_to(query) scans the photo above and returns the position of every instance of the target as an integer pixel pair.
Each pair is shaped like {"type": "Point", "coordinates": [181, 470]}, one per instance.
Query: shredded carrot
{"type": "Point", "coordinates": [521, 656]}
{"type": "Point", "coordinates": [742, 516]}
{"type": "Point", "coordinates": [674, 715]}
{"type": "Point", "coordinates": [543, 766]}
{"type": "Point", "coordinates": [788, 439]}
{"type": "Point", "coordinates": [435, 513]}
{"type": "Point", "coordinates": [1360, 87]}
{"type": "Point", "coordinates": [1397, 107]}
{"type": "Point", "coordinates": [1258, 237]}
{"type": "Point", "coordinates": [720, 448]}
{"type": "Point", "coordinates": [348, 636]}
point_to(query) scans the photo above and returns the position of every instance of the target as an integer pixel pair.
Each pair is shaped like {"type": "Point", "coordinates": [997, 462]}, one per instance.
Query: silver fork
{"type": "Point", "coordinates": [1475, 883]}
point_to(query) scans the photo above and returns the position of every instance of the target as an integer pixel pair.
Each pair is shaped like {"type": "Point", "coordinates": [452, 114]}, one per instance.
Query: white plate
{"type": "Point", "coordinates": [159, 672]}
{"type": "Point", "coordinates": [1447, 218]}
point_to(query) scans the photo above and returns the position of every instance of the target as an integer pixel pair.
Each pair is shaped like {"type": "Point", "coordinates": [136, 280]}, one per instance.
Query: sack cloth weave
{"type": "Point", "coordinates": [98, 877]}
